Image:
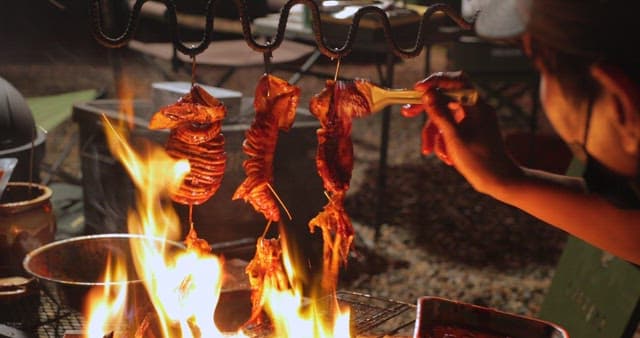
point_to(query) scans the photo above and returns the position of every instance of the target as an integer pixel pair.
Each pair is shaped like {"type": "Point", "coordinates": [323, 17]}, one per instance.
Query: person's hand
{"type": "Point", "coordinates": [466, 137]}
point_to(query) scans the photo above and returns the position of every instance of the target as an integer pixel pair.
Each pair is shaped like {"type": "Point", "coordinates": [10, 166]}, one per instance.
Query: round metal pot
{"type": "Point", "coordinates": [74, 266]}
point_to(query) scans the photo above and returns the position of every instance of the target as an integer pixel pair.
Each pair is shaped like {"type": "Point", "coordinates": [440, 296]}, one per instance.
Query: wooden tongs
{"type": "Point", "coordinates": [383, 97]}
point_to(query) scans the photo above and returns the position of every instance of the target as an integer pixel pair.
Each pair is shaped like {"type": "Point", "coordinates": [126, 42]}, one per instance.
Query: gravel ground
{"type": "Point", "coordinates": [439, 237]}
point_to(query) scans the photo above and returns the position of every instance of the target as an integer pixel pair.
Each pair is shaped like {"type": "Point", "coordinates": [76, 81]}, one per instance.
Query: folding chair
{"type": "Point", "coordinates": [593, 294]}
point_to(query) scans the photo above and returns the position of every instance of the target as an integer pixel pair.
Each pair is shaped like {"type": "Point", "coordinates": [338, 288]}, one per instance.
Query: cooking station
{"type": "Point", "coordinates": [228, 225]}
{"type": "Point", "coordinates": [373, 317]}
{"type": "Point", "coordinates": [46, 307]}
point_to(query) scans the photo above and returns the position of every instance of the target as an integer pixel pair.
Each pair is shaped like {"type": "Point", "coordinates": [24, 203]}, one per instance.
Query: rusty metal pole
{"type": "Point", "coordinates": [384, 150]}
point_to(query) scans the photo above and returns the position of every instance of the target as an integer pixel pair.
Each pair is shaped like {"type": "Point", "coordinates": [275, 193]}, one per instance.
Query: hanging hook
{"type": "Point", "coordinates": [335, 76]}
{"type": "Point", "coordinates": [193, 70]}
{"type": "Point", "coordinates": [242, 6]}
{"type": "Point", "coordinates": [267, 55]}
{"type": "Point", "coordinates": [267, 62]}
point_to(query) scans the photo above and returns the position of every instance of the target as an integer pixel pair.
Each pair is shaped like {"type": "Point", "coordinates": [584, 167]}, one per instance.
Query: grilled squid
{"type": "Point", "coordinates": [275, 106]}
{"type": "Point", "coordinates": [266, 272]}
{"type": "Point", "coordinates": [196, 123]}
{"type": "Point", "coordinates": [334, 107]}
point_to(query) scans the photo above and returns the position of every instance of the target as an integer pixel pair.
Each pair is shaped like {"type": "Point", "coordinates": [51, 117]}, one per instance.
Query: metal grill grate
{"type": "Point", "coordinates": [367, 313]}
{"type": "Point", "coordinates": [370, 312]}
{"type": "Point", "coordinates": [55, 320]}
{"type": "Point", "coordinates": [37, 315]}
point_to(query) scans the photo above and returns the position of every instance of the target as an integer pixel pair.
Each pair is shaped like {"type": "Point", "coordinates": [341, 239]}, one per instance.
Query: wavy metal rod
{"type": "Point", "coordinates": [270, 46]}
{"type": "Point", "coordinates": [132, 23]}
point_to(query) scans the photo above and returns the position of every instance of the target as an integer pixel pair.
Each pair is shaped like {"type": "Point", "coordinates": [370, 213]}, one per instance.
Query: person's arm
{"type": "Point", "coordinates": [468, 138]}
{"type": "Point", "coordinates": [563, 202]}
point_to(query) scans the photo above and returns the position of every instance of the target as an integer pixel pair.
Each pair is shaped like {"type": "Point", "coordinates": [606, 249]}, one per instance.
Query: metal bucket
{"type": "Point", "coordinates": [73, 266]}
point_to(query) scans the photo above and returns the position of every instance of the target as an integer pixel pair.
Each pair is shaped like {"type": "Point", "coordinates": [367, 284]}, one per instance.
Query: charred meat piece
{"type": "Point", "coordinates": [335, 106]}
{"type": "Point", "coordinates": [275, 107]}
{"type": "Point", "coordinates": [265, 271]}
{"type": "Point", "coordinates": [196, 123]}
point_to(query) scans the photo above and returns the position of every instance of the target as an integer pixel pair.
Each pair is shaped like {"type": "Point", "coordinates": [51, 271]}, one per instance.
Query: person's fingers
{"type": "Point", "coordinates": [436, 107]}
{"type": "Point", "coordinates": [443, 80]}
{"type": "Point", "coordinates": [440, 149]}
{"type": "Point", "coordinates": [429, 133]}
{"type": "Point", "coordinates": [426, 146]}
{"type": "Point", "coordinates": [411, 110]}
{"type": "Point", "coordinates": [457, 111]}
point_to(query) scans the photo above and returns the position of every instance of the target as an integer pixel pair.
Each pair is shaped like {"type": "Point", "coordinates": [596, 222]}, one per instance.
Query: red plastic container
{"type": "Point", "coordinates": [443, 318]}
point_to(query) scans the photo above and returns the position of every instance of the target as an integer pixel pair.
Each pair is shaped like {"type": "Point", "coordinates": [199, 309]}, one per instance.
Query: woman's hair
{"type": "Point", "coordinates": [568, 36]}
{"type": "Point", "coordinates": [572, 71]}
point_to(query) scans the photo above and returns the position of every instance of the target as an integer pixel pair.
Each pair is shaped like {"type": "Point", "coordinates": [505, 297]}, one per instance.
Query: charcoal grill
{"type": "Point", "coordinates": [368, 315]}
{"type": "Point", "coordinates": [50, 320]}
{"type": "Point", "coordinates": [56, 317]}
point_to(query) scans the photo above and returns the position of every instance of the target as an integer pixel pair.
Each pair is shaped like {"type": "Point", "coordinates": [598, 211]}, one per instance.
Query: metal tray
{"type": "Point", "coordinates": [435, 311]}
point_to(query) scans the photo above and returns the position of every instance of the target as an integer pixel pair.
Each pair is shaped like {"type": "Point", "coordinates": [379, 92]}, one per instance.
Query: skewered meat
{"type": "Point", "coordinates": [265, 271]}
{"type": "Point", "coordinates": [335, 106]}
{"type": "Point", "coordinates": [275, 105]}
{"type": "Point", "coordinates": [193, 242]}
{"type": "Point", "coordinates": [195, 122]}
{"type": "Point", "coordinates": [337, 236]}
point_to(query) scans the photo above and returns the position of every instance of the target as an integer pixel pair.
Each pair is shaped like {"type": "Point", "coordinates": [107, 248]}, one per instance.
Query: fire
{"type": "Point", "coordinates": [153, 173]}
{"type": "Point", "coordinates": [105, 306]}
{"type": "Point", "coordinates": [292, 318]}
{"type": "Point", "coordinates": [185, 292]}
{"type": "Point", "coordinates": [184, 287]}
{"type": "Point", "coordinates": [295, 316]}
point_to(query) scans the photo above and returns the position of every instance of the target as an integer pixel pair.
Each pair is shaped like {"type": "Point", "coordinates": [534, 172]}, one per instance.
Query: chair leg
{"type": "Point", "coordinates": [311, 60]}
{"type": "Point", "coordinates": [153, 63]}
{"type": "Point", "coordinates": [54, 169]}
{"type": "Point", "coordinates": [386, 81]}
{"type": "Point", "coordinates": [226, 76]}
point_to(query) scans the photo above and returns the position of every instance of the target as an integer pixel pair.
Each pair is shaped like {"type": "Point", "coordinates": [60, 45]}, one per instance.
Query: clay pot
{"type": "Point", "coordinates": [27, 222]}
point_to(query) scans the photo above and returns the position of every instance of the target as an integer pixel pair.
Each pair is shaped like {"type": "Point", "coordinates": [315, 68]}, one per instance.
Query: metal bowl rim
{"type": "Point", "coordinates": [43, 197]}
{"type": "Point", "coordinates": [35, 252]}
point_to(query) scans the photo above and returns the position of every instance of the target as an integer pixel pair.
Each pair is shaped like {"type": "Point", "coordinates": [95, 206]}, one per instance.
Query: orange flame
{"type": "Point", "coordinates": [183, 287]}
{"type": "Point", "coordinates": [293, 315]}
{"type": "Point", "coordinates": [105, 305]}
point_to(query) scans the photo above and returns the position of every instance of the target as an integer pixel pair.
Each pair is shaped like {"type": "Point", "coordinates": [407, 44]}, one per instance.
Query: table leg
{"type": "Point", "coordinates": [308, 63]}
{"type": "Point", "coordinates": [384, 147]}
